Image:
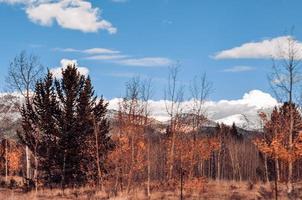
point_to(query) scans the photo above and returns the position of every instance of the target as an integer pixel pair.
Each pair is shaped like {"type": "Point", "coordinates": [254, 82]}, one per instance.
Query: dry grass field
{"type": "Point", "coordinates": [214, 190]}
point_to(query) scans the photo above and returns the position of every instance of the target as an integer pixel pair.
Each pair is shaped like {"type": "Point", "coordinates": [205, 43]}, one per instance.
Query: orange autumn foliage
{"type": "Point", "coordinates": [11, 151]}
{"type": "Point", "coordinates": [14, 160]}
{"type": "Point", "coordinates": [275, 142]}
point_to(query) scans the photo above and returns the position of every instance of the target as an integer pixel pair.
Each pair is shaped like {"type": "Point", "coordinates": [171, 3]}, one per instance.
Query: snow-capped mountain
{"type": "Point", "coordinates": [242, 121]}
{"type": "Point", "coordinates": [243, 112]}
{"type": "Point", "coordinates": [9, 106]}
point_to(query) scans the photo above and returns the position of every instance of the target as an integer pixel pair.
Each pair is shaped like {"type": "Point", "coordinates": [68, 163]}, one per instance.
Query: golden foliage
{"type": "Point", "coordinates": [275, 140]}
{"type": "Point", "coordinates": [196, 184]}
{"type": "Point", "coordinates": [14, 160]}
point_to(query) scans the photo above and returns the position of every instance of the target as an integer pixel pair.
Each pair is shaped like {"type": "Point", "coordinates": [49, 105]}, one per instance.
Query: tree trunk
{"type": "Point", "coordinates": [192, 159]}
{"type": "Point", "coordinates": [116, 181]}
{"type": "Point", "coordinates": [36, 172]}
{"type": "Point", "coordinates": [27, 157]}
{"type": "Point", "coordinates": [132, 164]}
{"type": "Point", "coordinates": [290, 175]}
{"type": "Point", "coordinates": [239, 169]}
{"type": "Point", "coordinates": [201, 167]}
{"type": "Point", "coordinates": [233, 167]}
{"type": "Point", "coordinates": [219, 165]}
{"type": "Point", "coordinates": [277, 169]}
{"type": "Point", "coordinates": [63, 172]}
{"type": "Point", "coordinates": [149, 170]}
{"type": "Point", "coordinates": [290, 163]}
{"type": "Point", "coordinates": [181, 183]}
{"type": "Point", "coordinates": [266, 169]}
{"type": "Point", "coordinates": [129, 181]}
{"type": "Point", "coordinates": [97, 160]}
{"type": "Point", "coordinates": [172, 155]}
{"type": "Point", "coordinates": [6, 161]}
{"type": "Point", "coordinates": [276, 183]}
{"type": "Point", "coordinates": [291, 128]}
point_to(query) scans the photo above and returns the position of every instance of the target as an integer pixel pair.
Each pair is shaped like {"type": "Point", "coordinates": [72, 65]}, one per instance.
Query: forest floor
{"type": "Point", "coordinates": [214, 190]}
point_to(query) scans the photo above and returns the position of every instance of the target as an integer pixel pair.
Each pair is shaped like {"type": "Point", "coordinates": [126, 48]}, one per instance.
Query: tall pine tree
{"type": "Point", "coordinates": [67, 129]}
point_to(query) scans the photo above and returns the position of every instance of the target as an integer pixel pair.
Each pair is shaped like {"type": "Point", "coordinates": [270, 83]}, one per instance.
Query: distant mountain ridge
{"type": "Point", "coordinates": [243, 112]}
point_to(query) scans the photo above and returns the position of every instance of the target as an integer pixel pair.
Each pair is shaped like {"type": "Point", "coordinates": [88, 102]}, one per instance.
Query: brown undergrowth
{"type": "Point", "coordinates": [211, 190]}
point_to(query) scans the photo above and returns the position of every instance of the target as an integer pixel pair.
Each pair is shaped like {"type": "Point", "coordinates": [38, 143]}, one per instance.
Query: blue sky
{"type": "Point", "coordinates": [145, 37]}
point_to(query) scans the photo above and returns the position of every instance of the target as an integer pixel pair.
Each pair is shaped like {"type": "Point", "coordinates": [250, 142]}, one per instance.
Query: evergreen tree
{"type": "Point", "coordinates": [67, 129]}
{"type": "Point", "coordinates": [68, 90]}
{"type": "Point", "coordinates": [234, 132]}
{"type": "Point", "coordinates": [40, 132]}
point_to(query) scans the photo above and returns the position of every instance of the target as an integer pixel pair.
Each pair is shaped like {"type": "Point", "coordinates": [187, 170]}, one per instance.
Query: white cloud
{"type": "Point", "coordinates": [106, 57]}
{"type": "Point", "coordinates": [89, 51]}
{"type": "Point", "coordinates": [70, 14]}
{"type": "Point", "coordinates": [269, 48]}
{"type": "Point", "coordinates": [57, 72]}
{"type": "Point", "coordinates": [66, 49]}
{"type": "Point", "coordinates": [226, 111]}
{"type": "Point", "coordinates": [146, 62]}
{"type": "Point", "coordinates": [121, 59]}
{"type": "Point", "coordinates": [239, 69]}
{"type": "Point", "coordinates": [18, 1]}
{"type": "Point", "coordinates": [114, 56]}
{"type": "Point", "coordinates": [100, 51]}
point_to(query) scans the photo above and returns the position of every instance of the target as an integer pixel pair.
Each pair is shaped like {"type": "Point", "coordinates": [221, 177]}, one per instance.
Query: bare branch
{"type": "Point", "coordinates": [23, 73]}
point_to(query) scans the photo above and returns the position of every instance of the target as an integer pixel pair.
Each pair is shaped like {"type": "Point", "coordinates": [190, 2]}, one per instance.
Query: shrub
{"type": "Point", "coordinates": [13, 184]}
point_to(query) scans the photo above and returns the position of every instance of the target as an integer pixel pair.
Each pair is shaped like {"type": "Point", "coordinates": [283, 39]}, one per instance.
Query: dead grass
{"type": "Point", "coordinates": [214, 190]}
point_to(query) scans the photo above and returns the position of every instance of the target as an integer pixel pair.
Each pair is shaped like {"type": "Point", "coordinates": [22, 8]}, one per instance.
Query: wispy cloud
{"type": "Point", "coordinates": [66, 49]}
{"type": "Point", "coordinates": [116, 57]}
{"type": "Point", "coordinates": [146, 62]}
{"type": "Point", "coordinates": [100, 51]}
{"type": "Point", "coordinates": [88, 51]}
{"type": "Point", "coordinates": [106, 57]}
{"type": "Point", "coordinates": [17, 1]}
{"type": "Point", "coordinates": [237, 69]}
{"type": "Point", "coordinates": [265, 49]}
{"type": "Point", "coordinates": [69, 14]}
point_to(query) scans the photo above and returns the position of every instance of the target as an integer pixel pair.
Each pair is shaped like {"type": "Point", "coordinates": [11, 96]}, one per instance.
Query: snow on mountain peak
{"type": "Point", "coordinates": [243, 112]}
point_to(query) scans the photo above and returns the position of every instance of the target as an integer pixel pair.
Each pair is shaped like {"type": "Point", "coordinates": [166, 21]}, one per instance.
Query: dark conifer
{"type": "Point", "coordinates": [67, 129]}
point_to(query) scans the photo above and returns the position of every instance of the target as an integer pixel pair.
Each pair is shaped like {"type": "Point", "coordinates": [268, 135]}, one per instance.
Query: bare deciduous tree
{"type": "Point", "coordinates": [131, 112]}
{"type": "Point", "coordinates": [174, 95]}
{"type": "Point", "coordinates": [146, 93]}
{"type": "Point", "coordinates": [23, 73]}
{"type": "Point", "coordinates": [200, 89]}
